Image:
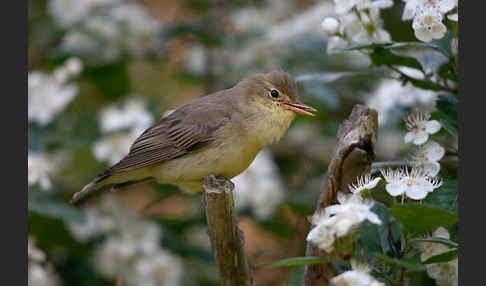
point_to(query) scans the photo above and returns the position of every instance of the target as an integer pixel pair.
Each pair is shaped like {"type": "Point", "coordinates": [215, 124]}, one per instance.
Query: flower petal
{"type": "Point", "coordinates": [433, 151]}
{"type": "Point", "coordinates": [423, 34]}
{"type": "Point", "coordinates": [409, 137]}
{"type": "Point", "coordinates": [396, 188]}
{"type": "Point", "coordinates": [420, 138]}
{"type": "Point", "coordinates": [416, 192]}
{"type": "Point", "coordinates": [438, 31]}
{"type": "Point", "coordinates": [431, 169]}
{"type": "Point", "coordinates": [432, 126]}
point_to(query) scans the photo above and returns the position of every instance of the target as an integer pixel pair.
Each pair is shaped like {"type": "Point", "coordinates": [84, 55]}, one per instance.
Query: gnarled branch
{"type": "Point", "coordinates": [354, 153]}
{"type": "Point", "coordinates": [226, 242]}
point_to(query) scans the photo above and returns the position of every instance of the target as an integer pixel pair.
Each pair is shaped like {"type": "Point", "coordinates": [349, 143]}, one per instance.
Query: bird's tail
{"type": "Point", "coordinates": [96, 184]}
{"type": "Point", "coordinates": [104, 181]}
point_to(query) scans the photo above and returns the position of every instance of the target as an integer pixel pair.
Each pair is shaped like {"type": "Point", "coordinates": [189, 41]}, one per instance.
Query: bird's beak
{"type": "Point", "coordinates": [300, 108]}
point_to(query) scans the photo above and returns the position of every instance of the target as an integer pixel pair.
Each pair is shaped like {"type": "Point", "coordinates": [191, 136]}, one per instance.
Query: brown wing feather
{"type": "Point", "coordinates": [174, 136]}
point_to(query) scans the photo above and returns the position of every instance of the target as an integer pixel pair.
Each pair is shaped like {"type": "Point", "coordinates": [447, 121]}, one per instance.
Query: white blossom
{"type": "Point", "coordinates": [419, 128]}
{"type": "Point", "coordinates": [40, 168]}
{"type": "Point", "coordinates": [415, 184]}
{"type": "Point", "coordinates": [158, 268]}
{"type": "Point", "coordinates": [340, 220]}
{"type": "Point", "coordinates": [121, 126]}
{"type": "Point", "coordinates": [344, 6]}
{"type": "Point", "coordinates": [259, 187]}
{"type": "Point", "coordinates": [95, 225]}
{"type": "Point", "coordinates": [49, 94]}
{"type": "Point", "coordinates": [395, 181]}
{"type": "Point", "coordinates": [67, 13]}
{"type": "Point", "coordinates": [358, 276]}
{"type": "Point", "coordinates": [428, 25]}
{"type": "Point", "coordinates": [112, 148]}
{"type": "Point", "coordinates": [364, 183]}
{"type": "Point", "coordinates": [412, 6]}
{"type": "Point", "coordinates": [132, 115]}
{"type": "Point", "coordinates": [365, 27]}
{"type": "Point", "coordinates": [427, 157]}
{"type": "Point", "coordinates": [390, 94]}
{"type": "Point", "coordinates": [335, 44]}
{"type": "Point", "coordinates": [445, 273]}
{"type": "Point", "coordinates": [106, 29]}
{"type": "Point", "coordinates": [330, 26]}
{"type": "Point", "coordinates": [131, 249]}
{"type": "Point", "coordinates": [40, 273]}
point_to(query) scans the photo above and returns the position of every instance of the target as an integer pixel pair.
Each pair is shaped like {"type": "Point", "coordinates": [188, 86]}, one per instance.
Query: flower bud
{"type": "Point", "coordinates": [330, 26]}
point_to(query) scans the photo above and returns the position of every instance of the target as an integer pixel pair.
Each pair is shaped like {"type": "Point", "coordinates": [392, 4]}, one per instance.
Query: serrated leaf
{"type": "Point", "coordinates": [381, 56]}
{"type": "Point", "coordinates": [300, 261]}
{"type": "Point", "coordinates": [447, 108]}
{"type": "Point", "coordinates": [412, 265]}
{"type": "Point", "coordinates": [418, 219]}
{"type": "Point", "coordinates": [46, 205]}
{"type": "Point", "coordinates": [440, 240]}
{"type": "Point", "coordinates": [444, 257]}
{"type": "Point", "coordinates": [446, 196]}
{"type": "Point", "coordinates": [377, 237]}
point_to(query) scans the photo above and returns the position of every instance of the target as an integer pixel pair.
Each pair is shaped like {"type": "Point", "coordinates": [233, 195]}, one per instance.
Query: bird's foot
{"type": "Point", "coordinates": [217, 183]}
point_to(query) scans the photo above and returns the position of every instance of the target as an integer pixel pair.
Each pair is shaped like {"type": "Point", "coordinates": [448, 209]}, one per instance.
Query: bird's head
{"type": "Point", "coordinates": [270, 101]}
{"type": "Point", "coordinates": [277, 91]}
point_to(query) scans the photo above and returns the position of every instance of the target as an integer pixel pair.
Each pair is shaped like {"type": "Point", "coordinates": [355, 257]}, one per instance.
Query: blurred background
{"type": "Point", "coordinates": [101, 71]}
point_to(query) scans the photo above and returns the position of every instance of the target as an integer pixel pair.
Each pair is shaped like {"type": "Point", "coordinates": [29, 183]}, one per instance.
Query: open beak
{"type": "Point", "coordinates": [300, 108]}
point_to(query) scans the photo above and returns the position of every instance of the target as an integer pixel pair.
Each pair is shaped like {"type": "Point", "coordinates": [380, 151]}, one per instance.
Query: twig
{"type": "Point", "coordinates": [223, 231]}
{"type": "Point", "coordinates": [397, 163]}
{"type": "Point", "coordinates": [353, 155]}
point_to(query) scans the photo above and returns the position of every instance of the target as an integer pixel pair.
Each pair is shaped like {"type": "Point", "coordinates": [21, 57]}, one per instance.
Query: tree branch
{"type": "Point", "coordinates": [223, 231]}
{"type": "Point", "coordinates": [353, 156]}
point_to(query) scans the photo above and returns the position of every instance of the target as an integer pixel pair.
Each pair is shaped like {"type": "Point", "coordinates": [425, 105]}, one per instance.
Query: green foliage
{"type": "Point", "coordinates": [445, 197]}
{"type": "Point", "coordinates": [409, 264]}
{"type": "Point", "coordinates": [447, 109]}
{"type": "Point", "coordinates": [300, 261]}
{"type": "Point", "coordinates": [440, 240]}
{"type": "Point", "coordinates": [112, 80]}
{"type": "Point", "coordinates": [418, 219]}
{"type": "Point", "coordinates": [378, 238]}
{"type": "Point", "coordinates": [444, 257]}
{"type": "Point", "coordinates": [49, 205]}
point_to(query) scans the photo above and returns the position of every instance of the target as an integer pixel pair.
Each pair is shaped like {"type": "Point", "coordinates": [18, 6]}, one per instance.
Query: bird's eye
{"type": "Point", "coordinates": [274, 93]}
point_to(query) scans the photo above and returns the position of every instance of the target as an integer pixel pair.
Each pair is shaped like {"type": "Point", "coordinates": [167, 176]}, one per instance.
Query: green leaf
{"type": "Point", "coordinates": [300, 261]}
{"type": "Point", "coordinates": [444, 257]}
{"type": "Point", "coordinates": [382, 54]}
{"type": "Point", "coordinates": [112, 80]}
{"type": "Point", "coordinates": [447, 108]}
{"type": "Point", "coordinates": [425, 84]}
{"type": "Point", "coordinates": [375, 237]}
{"type": "Point", "coordinates": [409, 264]}
{"type": "Point", "coordinates": [417, 218]}
{"type": "Point", "coordinates": [440, 240]}
{"type": "Point", "coordinates": [413, 278]}
{"type": "Point", "coordinates": [384, 57]}
{"type": "Point", "coordinates": [46, 205]}
{"type": "Point", "coordinates": [447, 70]}
{"type": "Point", "coordinates": [445, 196]}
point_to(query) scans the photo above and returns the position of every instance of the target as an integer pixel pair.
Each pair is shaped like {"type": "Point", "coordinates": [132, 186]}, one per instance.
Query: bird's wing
{"type": "Point", "coordinates": [174, 136]}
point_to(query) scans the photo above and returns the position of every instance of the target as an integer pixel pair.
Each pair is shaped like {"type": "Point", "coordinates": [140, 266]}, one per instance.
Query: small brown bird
{"type": "Point", "coordinates": [218, 134]}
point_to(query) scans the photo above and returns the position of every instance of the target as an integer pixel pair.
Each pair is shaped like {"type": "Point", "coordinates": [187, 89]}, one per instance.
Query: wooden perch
{"type": "Point", "coordinates": [354, 153]}
{"type": "Point", "coordinates": [226, 242]}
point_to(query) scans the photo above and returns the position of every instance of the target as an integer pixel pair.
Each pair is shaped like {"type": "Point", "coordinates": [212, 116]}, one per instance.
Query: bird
{"type": "Point", "coordinates": [218, 134]}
